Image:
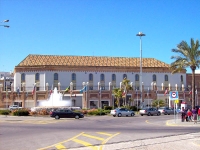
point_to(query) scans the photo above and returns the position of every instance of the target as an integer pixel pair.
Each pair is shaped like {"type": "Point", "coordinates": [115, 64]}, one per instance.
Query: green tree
{"type": "Point", "coordinates": [158, 103]}
{"type": "Point", "coordinates": [118, 95]}
{"type": "Point", "coordinates": [188, 56]}
{"type": "Point", "coordinates": [125, 87]}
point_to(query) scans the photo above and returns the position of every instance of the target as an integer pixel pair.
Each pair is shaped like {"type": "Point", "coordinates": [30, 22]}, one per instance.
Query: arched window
{"type": "Point", "coordinates": [102, 77]}
{"type": "Point", "coordinates": [23, 77]}
{"type": "Point", "coordinates": [136, 77]}
{"type": "Point", "coordinates": [90, 77]}
{"type": "Point", "coordinates": [124, 76]}
{"type": "Point", "coordinates": [154, 77]}
{"type": "Point", "coordinates": [55, 76]}
{"type": "Point", "coordinates": [181, 78]}
{"type": "Point", "coordinates": [73, 76]}
{"type": "Point", "coordinates": [166, 77]}
{"type": "Point", "coordinates": [37, 77]}
{"type": "Point", "coordinates": [114, 77]}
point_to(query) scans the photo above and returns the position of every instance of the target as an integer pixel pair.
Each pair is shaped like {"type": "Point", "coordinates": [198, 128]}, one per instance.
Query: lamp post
{"type": "Point", "coordinates": [140, 34]}
{"type": "Point", "coordinates": [6, 26]}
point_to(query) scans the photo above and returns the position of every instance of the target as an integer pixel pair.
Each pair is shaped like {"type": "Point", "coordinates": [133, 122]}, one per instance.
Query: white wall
{"type": "Point", "coordinates": [65, 78]}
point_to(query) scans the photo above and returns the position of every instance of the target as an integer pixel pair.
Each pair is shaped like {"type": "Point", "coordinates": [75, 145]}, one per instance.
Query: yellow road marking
{"type": "Point", "coordinates": [61, 142]}
{"type": "Point", "coordinates": [85, 144]}
{"type": "Point", "coordinates": [94, 137]}
{"type": "Point", "coordinates": [104, 133]}
{"type": "Point", "coordinates": [105, 141]}
{"type": "Point", "coordinates": [60, 146]}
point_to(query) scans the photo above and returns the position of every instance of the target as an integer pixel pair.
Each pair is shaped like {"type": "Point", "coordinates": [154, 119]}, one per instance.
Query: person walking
{"type": "Point", "coordinates": [189, 115]}
{"type": "Point", "coordinates": [183, 114]}
{"type": "Point", "coordinates": [194, 113]}
{"type": "Point", "coordinates": [199, 114]}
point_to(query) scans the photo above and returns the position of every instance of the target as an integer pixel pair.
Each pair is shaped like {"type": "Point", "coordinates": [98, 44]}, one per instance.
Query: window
{"type": "Point", "coordinates": [73, 76]}
{"type": "Point", "coordinates": [136, 77]}
{"type": "Point", "coordinates": [181, 78]}
{"type": "Point", "coordinates": [90, 77]}
{"type": "Point", "coordinates": [113, 77]}
{"type": "Point", "coordinates": [102, 77]}
{"type": "Point", "coordinates": [166, 77]}
{"type": "Point", "coordinates": [124, 76]}
{"type": "Point", "coordinates": [55, 76]}
{"type": "Point", "coordinates": [23, 77]}
{"type": "Point", "coordinates": [154, 77]}
{"type": "Point", "coordinates": [37, 77]}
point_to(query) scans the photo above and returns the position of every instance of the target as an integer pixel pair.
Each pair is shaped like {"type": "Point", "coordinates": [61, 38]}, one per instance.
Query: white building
{"type": "Point", "coordinates": [54, 71]}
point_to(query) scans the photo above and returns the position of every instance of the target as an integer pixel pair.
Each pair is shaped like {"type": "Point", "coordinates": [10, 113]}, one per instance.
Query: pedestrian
{"type": "Point", "coordinates": [189, 115]}
{"type": "Point", "coordinates": [183, 114]}
{"type": "Point", "coordinates": [194, 114]}
{"type": "Point", "coordinates": [199, 114]}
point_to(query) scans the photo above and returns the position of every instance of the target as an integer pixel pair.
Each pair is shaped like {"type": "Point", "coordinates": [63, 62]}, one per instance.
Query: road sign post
{"type": "Point", "coordinates": [174, 97]}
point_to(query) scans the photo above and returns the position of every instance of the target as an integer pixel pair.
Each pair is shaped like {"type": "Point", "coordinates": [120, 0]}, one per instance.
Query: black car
{"type": "Point", "coordinates": [65, 113]}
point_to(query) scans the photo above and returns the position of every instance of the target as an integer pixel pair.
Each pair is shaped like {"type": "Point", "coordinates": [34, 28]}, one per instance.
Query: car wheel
{"type": "Point", "coordinates": [114, 115]}
{"type": "Point", "coordinates": [77, 117]}
{"type": "Point", "coordinates": [132, 114]}
{"type": "Point", "coordinates": [169, 114]}
{"type": "Point", "coordinates": [57, 117]}
{"type": "Point", "coordinates": [158, 114]}
{"type": "Point", "coordinates": [119, 115]}
{"type": "Point", "coordinates": [149, 114]}
{"type": "Point", "coordinates": [141, 115]}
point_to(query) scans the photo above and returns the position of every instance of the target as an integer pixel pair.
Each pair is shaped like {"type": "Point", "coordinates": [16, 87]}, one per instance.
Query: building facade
{"type": "Point", "coordinates": [45, 72]}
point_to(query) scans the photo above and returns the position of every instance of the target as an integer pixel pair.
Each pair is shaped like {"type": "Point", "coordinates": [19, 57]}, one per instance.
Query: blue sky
{"type": "Point", "coordinates": [95, 28]}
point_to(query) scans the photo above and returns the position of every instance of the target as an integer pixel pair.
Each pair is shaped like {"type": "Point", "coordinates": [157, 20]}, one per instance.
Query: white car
{"type": "Point", "coordinates": [12, 107]}
{"type": "Point", "coordinates": [122, 112]}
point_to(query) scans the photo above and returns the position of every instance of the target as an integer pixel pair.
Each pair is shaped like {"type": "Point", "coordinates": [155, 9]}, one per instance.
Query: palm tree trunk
{"type": "Point", "coordinates": [193, 86]}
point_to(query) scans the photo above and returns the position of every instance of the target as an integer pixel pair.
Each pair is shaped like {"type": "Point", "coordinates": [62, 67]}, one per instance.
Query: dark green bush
{"type": "Point", "coordinates": [106, 111]}
{"type": "Point", "coordinates": [20, 112]}
{"type": "Point", "coordinates": [133, 108]}
{"type": "Point", "coordinates": [5, 112]}
{"type": "Point", "coordinates": [108, 107]}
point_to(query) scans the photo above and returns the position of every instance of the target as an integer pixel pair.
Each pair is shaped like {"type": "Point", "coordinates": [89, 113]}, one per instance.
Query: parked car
{"type": "Point", "coordinates": [122, 112]}
{"type": "Point", "coordinates": [65, 113]}
{"type": "Point", "coordinates": [149, 112]}
{"type": "Point", "coordinates": [13, 107]}
{"type": "Point", "coordinates": [166, 110]}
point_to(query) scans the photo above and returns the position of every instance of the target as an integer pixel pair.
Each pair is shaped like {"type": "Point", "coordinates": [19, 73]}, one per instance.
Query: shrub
{"type": "Point", "coordinates": [20, 112]}
{"type": "Point", "coordinates": [108, 107]}
{"type": "Point", "coordinates": [106, 111]}
{"type": "Point", "coordinates": [133, 108]}
{"type": "Point", "coordinates": [5, 112]}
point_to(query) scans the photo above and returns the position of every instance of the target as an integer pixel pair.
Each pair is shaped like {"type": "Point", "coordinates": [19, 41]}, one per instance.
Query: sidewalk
{"type": "Point", "coordinates": [177, 122]}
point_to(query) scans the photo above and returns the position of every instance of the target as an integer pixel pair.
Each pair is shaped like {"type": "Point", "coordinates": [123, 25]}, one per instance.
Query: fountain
{"type": "Point", "coordinates": [55, 100]}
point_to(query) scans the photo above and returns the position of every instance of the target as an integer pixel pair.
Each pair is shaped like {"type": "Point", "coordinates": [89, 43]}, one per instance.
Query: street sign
{"type": "Point", "coordinates": [173, 95]}
{"type": "Point", "coordinates": [176, 101]}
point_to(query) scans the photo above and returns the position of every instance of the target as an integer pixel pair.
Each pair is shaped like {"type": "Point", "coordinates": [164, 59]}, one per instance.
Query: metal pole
{"type": "Point", "coordinates": [6, 97]}
{"type": "Point", "coordinates": [141, 67]}
{"type": "Point", "coordinates": [140, 34]}
{"type": "Point", "coordinates": [137, 100]}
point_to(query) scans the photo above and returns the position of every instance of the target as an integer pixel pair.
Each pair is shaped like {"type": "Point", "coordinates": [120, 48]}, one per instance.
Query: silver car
{"type": "Point", "coordinates": [166, 110]}
{"type": "Point", "coordinates": [122, 112]}
{"type": "Point", "coordinates": [149, 112]}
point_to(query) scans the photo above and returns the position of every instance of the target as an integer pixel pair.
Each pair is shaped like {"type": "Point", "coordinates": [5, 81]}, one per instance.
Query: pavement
{"type": "Point", "coordinates": [177, 142]}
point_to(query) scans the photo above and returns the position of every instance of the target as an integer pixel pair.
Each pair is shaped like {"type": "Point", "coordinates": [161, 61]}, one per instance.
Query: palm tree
{"type": "Point", "coordinates": [126, 87]}
{"type": "Point", "coordinates": [189, 56]}
{"type": "Point", "coordinates": [118, 95]}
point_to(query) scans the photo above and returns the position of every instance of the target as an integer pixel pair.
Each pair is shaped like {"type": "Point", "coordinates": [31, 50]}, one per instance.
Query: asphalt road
{"type": "Point", "coordinates": [44, 133]}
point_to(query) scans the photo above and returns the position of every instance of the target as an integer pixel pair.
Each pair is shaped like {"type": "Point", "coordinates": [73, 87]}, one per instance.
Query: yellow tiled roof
{"type": "Point", "coordinates": [55, 60]}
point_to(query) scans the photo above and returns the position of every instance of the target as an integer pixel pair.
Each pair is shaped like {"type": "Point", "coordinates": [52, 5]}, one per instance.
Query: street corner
{"type": "Point", "coordinates": [182, 124]}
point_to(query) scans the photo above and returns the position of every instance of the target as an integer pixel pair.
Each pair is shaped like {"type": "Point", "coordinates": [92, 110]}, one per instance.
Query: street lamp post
{"type": "Point", "coordinates": [6, 26]}
{"type": "Point", "coordinates": [140, 34]}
